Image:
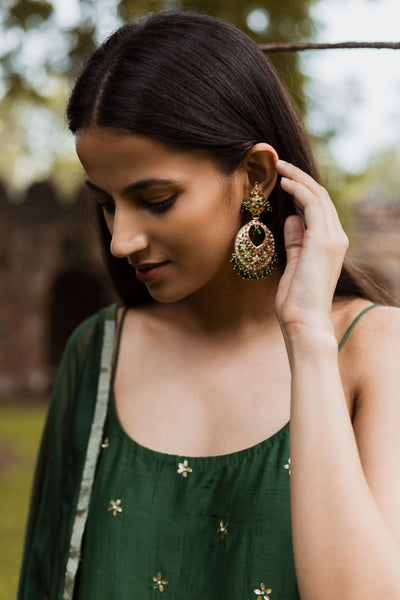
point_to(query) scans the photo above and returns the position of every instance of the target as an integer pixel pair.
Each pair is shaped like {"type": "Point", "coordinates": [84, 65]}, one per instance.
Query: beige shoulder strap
{"type": "Point", "coordinates": [92, 453]}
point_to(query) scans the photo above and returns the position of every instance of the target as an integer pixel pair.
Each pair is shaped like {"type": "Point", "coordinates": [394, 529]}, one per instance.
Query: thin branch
{"type": "Point", "coordinates": [300, 46]}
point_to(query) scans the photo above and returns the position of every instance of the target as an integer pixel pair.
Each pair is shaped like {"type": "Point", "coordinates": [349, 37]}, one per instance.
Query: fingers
{"type": "Point", "coordinates": [308, 195]}
{"type": "Point", "coordinates": [287, 170]}
{"type": "Point", "coordinates": [294, 234]}
{"type": "Point", "coordinates": [315, 254]}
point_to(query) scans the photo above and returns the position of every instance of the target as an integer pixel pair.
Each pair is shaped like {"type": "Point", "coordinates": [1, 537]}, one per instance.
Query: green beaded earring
{"type": "Point", "coordinates": [254, 256]}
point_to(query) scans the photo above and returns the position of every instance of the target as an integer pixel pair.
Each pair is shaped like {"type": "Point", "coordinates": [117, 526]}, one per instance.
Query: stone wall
{"type": "Point", "coordinates": [51, 278]}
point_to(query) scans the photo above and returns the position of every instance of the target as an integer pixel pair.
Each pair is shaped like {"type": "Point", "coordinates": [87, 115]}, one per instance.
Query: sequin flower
{"type": "Point", "coordinates": [263, 593]}
{"type": "Point", "coordinates": [105, 444]}
{"type": "Point", "coordinates": [159, 583]}
{"type": "Point", "coordinates": [183, 468]}
{"type": "Point", "coordinates": [115, 507]}
{"type": "Point", "coordinates": [223, 529]}
{"type": "Point", "coordinates": [287, 466]}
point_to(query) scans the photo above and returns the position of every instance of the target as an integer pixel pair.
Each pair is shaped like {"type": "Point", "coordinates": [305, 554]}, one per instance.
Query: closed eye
{"type": "Point", "coordinates": [106, 207]}
{"type": "Point", "coordinates": [159, 207]}
{"type": "Point", "coordinates": [154, 207]}
{"type": "Point", "coordinates": [104, 202]}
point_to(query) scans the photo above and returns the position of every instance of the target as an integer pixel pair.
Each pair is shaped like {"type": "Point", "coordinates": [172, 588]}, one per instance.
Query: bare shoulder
{"type": "Point", "coordinates": [371, 350]}
{"type": "Point", "coordinates": [374, 345]}
{"type": "Point", "coordinates": [370, 325]}
{"type": "Point", "coordinates": [377, 330]}
{"type": "Point", "coordinates": [370, 365]}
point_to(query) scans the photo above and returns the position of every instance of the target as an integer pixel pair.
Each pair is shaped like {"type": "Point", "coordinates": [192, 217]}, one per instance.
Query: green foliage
{"type": "Point", "coordinates": [82, 43]}
{"type": "Point", "coordinates": [333, 179]}
{"type": "Point", "coordinates": [379, 182]}
{"type": "Point", "coordinates": [129, 10]}
{"type": "Point", "coordinates": [28, 13]}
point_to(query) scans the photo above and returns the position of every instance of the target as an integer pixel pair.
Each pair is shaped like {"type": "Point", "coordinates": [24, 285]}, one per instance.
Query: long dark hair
{"type": "Point", "coordinates": [194, 82]}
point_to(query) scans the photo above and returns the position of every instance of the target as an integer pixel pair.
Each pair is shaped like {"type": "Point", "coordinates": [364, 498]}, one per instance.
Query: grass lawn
{"type": "Point", "coordinates": [21, 424]}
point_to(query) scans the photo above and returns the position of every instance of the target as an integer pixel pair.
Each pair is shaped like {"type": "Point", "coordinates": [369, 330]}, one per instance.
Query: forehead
{"type": "Point", "coordinates": [119, 153]}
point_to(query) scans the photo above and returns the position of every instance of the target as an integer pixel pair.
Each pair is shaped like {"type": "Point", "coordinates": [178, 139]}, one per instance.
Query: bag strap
{"type": "Point", "coordinates": [92, 454]}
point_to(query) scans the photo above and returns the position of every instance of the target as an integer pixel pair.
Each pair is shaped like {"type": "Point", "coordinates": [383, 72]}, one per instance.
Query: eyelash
{"type": "Point", "coordinates": [107, 207]}
{"type": "Point", "coordinates": [159, 207]}
{"type": "Point", "coordinates": [154, 207]}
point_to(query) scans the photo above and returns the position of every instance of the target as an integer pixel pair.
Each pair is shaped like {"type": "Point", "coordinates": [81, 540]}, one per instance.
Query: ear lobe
{"type": "Point", "coordinates": [260, 166]}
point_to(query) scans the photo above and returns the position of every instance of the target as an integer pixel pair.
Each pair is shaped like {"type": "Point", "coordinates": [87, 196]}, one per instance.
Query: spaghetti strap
{"type": "Point", "coordinates": [354, 322]}
{"type": "Point", "coordinates": [117, 344]}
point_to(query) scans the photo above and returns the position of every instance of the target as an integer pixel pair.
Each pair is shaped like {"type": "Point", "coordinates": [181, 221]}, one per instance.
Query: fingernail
{"type": "Point", "coordinates": [282, 162]}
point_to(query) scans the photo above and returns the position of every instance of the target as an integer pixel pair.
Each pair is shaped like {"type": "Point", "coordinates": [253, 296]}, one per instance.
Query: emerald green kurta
{"type": "Point", "coordinates": [189, 528]}
{"type": "Point", "coordinates": [215, 527]}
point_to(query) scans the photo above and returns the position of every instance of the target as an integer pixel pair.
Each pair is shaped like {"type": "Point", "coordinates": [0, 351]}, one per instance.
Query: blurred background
{"type": "Point", "coordinates": [51, 273]}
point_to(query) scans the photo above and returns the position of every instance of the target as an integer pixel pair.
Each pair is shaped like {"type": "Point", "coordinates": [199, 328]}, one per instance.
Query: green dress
{"type": "Point", "coordinates": [188, 527]}
{"type": "Point", "coordinates": [214, 527]}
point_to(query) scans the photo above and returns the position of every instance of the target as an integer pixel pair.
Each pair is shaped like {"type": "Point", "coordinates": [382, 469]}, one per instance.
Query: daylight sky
{"type": "Point", "coordinates": [361, 88]}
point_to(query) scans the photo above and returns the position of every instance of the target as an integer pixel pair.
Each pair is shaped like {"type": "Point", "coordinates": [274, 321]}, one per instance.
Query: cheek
{"type": "Point", "coordinates": [209, 238]}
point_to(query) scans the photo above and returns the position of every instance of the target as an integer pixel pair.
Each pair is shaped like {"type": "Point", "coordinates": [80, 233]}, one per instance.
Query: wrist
{"type": "Point", "coordinates": [306, 339]}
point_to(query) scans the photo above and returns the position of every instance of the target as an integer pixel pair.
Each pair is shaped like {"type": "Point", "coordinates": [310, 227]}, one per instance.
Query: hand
{"type": "Point", "coordinates": [314, 254]}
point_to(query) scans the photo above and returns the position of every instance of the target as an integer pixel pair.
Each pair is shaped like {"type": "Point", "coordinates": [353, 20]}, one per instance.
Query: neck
{"type": "Point", "coordinates": [230, 306]}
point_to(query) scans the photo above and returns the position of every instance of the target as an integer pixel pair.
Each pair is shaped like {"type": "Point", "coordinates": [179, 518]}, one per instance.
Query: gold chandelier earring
{"type": "Point", "coordinates": [254, 256]}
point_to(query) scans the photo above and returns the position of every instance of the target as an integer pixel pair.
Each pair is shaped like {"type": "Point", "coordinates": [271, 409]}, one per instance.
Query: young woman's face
{"type": "Point", "coordinates": [172, 214]}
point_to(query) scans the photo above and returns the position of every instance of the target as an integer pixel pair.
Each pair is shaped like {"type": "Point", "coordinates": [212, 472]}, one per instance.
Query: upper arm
{"type": "Point", "coordinates": [376, 421]}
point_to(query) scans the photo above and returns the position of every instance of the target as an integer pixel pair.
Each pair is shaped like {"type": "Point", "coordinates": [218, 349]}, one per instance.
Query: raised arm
{"type": "Point", "coordinates": [345, 489]}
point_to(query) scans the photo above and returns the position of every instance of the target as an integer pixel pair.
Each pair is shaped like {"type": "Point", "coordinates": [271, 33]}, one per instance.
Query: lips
{"type": "Point", "coordinates": [147, 273]}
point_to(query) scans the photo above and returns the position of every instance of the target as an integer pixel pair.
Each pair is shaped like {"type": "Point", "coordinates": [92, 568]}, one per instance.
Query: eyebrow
{"type": "Point", "coordinates": [133, 187]}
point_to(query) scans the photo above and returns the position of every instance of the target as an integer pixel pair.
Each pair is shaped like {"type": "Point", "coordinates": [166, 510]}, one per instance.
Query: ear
{"type": "Point", "coordinates": [260, 167]}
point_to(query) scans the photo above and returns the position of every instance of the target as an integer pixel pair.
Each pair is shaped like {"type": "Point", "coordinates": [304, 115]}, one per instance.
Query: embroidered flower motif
{"type": "Point", "coordinates": [287, 467]}
{"type": "Point", "coordinates": [159, 583]}
{"type": "Point", "coordinates": [105, 444]}
{"type": "Point", "coordinates": [183, 468]}
{"type": "Point", "coordinates": [263, 593]}
{"type": "Point", "coordinates": [223, 529]}
{"type": "Point", "coordinates": [115, 507]}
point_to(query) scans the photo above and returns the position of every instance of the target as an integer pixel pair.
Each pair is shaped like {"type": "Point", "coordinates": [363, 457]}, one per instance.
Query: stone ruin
{"type": "Point", "coordinates": [51, 278]}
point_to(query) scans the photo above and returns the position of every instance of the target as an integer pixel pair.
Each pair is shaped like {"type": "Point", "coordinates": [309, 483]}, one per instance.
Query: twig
{"type": "Point", "coordinates": [300, 46]}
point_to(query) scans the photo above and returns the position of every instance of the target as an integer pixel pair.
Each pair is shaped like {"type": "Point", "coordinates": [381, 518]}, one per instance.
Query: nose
{"type": "Point", "coordinates": [128, 235]}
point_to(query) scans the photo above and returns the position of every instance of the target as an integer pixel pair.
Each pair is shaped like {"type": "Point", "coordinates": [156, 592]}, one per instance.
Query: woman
{"type": "Point", "coordinates": [182, 483]}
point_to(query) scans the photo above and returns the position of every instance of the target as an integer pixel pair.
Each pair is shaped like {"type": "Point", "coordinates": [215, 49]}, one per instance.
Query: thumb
{"type": "Point", "coordinates": [294, 234]}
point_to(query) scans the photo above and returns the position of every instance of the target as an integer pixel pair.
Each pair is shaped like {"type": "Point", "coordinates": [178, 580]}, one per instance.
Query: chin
{"type": "Point", "coordinates": [168, 294]}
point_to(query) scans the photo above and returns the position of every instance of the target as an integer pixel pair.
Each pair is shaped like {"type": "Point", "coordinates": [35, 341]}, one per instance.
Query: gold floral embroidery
{"type": "Point", "coordinates": [115, 507]}
{"type": "Point", "coordinates": [183, 468]}
{"type": "Point", "coordinates": [223, 529]}
{"type": "Point", "coordinates": [263, 593]}
{"type": "Point", "coordinates": [159, 582]}
{"type": "Point", "coordinates": [287, 467]}
{"type": "Point", "coordinates": [105, 444]}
